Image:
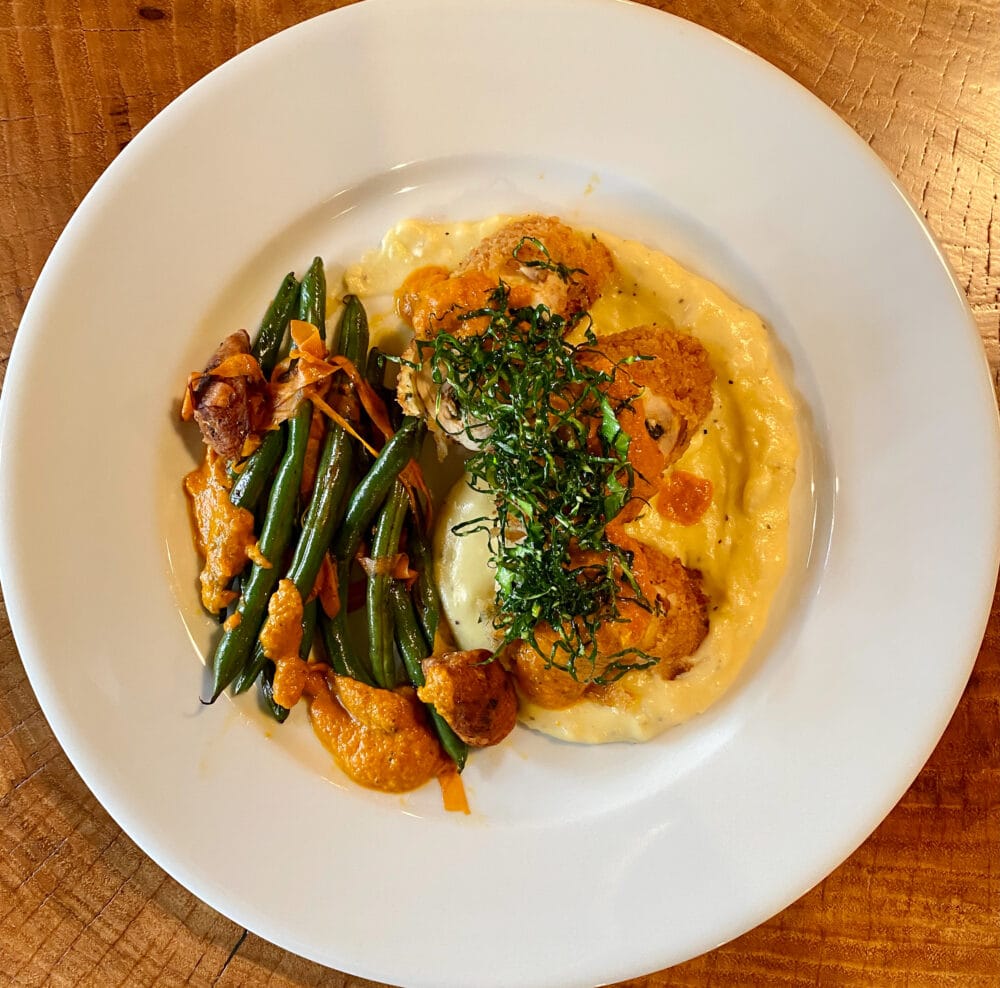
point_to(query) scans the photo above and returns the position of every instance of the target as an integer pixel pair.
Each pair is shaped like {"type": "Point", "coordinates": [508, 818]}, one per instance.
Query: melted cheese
{"type": "Point", "coordinates": [747, 449]}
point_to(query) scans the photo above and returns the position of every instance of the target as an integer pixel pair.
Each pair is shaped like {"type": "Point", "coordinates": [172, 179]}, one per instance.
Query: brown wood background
{"type": "Point", "coordinates": [917, 904]}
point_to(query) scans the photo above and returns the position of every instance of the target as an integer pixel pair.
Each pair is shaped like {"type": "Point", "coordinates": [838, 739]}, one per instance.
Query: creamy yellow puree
{"type": "Point", "coordinates": [747, 449]}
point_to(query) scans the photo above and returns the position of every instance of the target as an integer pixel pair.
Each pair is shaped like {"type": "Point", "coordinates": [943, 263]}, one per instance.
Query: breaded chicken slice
{"type": "Point", "coordinates": [675, 385]}
{"type": "Point", "coordinates": [676, 592]}
{"type": "Point", "coordinates": [544, 262]}
{"type": "Point", "coordinates": [673, 382]}
{"type": "Point", "coordinates": [671, 631]}
{"type": "Point", "coordinates": [540, 259]}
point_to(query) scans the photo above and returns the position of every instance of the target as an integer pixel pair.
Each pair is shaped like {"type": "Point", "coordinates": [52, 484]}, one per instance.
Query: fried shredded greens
{"type": "Point", "coordinates": [556, 463]}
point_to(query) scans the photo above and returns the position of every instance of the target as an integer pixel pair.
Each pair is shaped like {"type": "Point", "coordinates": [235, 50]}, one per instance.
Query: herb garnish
{"type": "Point", "coordinates": [556, 462]}
{"type": "Point", "coordinates": [545, 263]}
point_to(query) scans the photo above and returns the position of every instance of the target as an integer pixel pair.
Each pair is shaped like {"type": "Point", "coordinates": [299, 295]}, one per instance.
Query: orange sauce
{"type": "Point", "coordinates": [223, 533]}
{"type": "Point", "coordinates": [431, 302]}
{"type": "Point", "coordinates": [281, 638]}
{"type": "Point", "coordinates": [684, 498]}
{"type": "Point", "coordinates": [379, 738]}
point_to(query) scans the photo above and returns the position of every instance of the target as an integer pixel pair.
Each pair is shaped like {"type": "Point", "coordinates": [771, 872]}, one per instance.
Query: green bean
{"type": "Point", "coordinates": [375, 375]}
{"type": "Point", "coordinates": [234, 647]}
{"type": "Point", "coordinates": [371, 492]}
{"type": "Point", "coordinates": [375, 370]}
{"type": "Point", "coordinates": [385, 545]}
{"type": "Point", "coordinates": [412, 644]}
{"type": "Point", "coordinates": [333, 469]}
{"type": "Point", "coordinates": [361, 509]}
{"type": "Point", "coordinates": [324, 511]}
{"type": "Point", "coordinates": [310, 614]}
{"type": "Point", "coordinates": [425, 594]}
{"type": "Point", "coordinates": [327, 507]}
{"type": "Point", "coordinates": [249, 673]}
{"type": "Point", "coordinates": [333, 473]}
{"type": "Point", "coordinates": [413, 649]}
{"type": "Point", "coordinates": [277, 711]}
{"type": "Point", "coordinates": [312, 297]}
{"type": "Point", "coordinates": [339, 648]}
{"type": "Point", "coordinates": [267, 346]}
{"type": "Point", "coordinates": [252, 480]}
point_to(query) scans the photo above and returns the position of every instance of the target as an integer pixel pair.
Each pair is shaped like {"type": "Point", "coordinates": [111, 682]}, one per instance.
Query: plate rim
{"type": "Point", "coordinates": [148, 136]}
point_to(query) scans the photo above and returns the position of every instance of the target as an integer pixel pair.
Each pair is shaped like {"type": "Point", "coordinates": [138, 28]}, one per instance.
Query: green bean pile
{"type": "Point", "coordinates": [349, 505]}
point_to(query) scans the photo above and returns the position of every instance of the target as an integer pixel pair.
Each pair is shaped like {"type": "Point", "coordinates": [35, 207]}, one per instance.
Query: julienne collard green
{"type": "Point", "coordinates": [601, 570]}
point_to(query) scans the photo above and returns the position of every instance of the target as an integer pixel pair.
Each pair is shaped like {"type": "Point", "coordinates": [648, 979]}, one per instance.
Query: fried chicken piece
{"type": "Point", "coordinates": [229, 396]}
{"type": "Point", "coordinates": [473, 693]}
{"type": "Point", "coordinates": [583, 265]}
{"type": "Point", "coordinates": [566, 273]}
{"type": "Point", "coordinates": [676, 385]}
{"type": "Point", "coordinates": [682, 624]}
{"type": "Point", "coordinates": [541, 683]}
{"type": "Point", "coordinates": [432, 301]}
{"type": "Point", "coordinates": [671, 632]}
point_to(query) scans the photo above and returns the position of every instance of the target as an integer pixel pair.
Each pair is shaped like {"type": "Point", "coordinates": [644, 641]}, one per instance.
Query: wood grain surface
{"type": "Point", "coordinates": [917, 904]}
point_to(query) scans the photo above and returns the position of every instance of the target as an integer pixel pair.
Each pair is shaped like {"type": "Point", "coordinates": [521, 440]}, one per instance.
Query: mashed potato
{"type": "Point", "coordinates": [747, 448]}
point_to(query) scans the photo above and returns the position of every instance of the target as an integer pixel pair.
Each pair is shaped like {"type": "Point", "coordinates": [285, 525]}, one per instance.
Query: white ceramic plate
{"type": "Point", "coordinates": [579, 864]}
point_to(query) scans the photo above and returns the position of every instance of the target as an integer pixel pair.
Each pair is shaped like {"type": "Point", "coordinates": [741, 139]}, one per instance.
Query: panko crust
{"type": "Point", "coordinates": [675, 383]}
{"type": "Point", "coordinates": [587, 264]}
{"type": "Point", "coordinates": [682, 624]}
{"type": "Point", "coordinates": [671, 631]}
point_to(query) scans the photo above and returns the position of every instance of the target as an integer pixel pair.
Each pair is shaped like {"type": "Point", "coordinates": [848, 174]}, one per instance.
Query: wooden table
{"type": "Point", "coordinates": [917, 904]}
